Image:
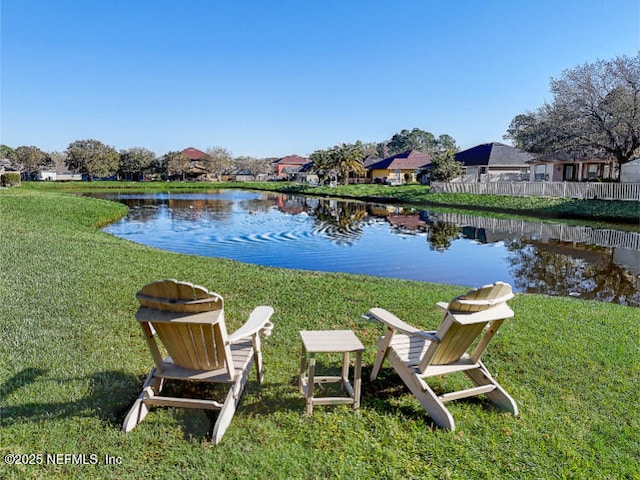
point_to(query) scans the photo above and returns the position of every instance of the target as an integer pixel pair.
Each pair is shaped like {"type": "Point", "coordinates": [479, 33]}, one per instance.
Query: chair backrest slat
{"type": "Point", "coordinates": [456, 336]}
{"type": "Point", "coordinates": [482, 298]}
{"type": "Point", "coordinates": [456, 342]}
{"type": "Point", "coordinates": [196, 345]}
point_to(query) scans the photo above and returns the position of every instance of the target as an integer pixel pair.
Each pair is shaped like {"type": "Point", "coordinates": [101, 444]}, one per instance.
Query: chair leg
{"type": "Point", "coordinates": [224, 417]}
{"type": "Point", "coordinates": [423, 393]}
{"type": "Point", "coordinates": [499, 396]}
{"type": "Point", "coordinates": [257, 358]}
{"type": "Point", "coordinates": [383, 348]}
{"type": "Point", "coordinates": [229, 406]}
{"type": "Point", "coordinates": [139, 410]}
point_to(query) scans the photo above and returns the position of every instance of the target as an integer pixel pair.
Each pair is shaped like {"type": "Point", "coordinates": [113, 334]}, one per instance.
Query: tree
{"type": "Point", "coordinates": [253, 166]}
{"type": "Point", "coordinates": [219, 161]}
{"type": "Point", "coordinates": [419, 140]}
{"type": "Point", "coordinates": [595, 111]}
{"type": "Point", "coordinates": [445, 167]}
{"type": "Point", "coordinates": [92, 158]}
{"type": "Point", "coordinates": [340, 160]}
{"type": "Point", "coordinates": [135, 162]}
{"type": "Point", "coordinates": [6, 152]}
{"type": "Point", "coordinates": [446, 142]}
{"type": "Point", "coordinates": [58, 159]}
{"type": "Point", "coordinates": [415, 139]}
{"type": "Point", "coordinates": [321, 165]}
{"type": "Point", "coordinates": [31, 159]}
{"type": "Point", "coordinates": [177, 164]}
{"type": "Point", "coordinates": [346, 158]}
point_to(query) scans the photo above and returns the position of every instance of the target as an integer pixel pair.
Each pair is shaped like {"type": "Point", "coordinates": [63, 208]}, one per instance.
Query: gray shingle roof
{"type": "Point", "coordinates": [493, 154]}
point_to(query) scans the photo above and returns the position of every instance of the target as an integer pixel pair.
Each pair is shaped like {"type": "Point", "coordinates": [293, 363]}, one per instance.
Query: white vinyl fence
{"type": "Point", "coordinates": [601, 191]}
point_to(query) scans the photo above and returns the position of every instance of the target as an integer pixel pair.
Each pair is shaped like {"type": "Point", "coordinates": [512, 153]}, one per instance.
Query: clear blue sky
{"type": "Point", "coordinates": [272, 78]}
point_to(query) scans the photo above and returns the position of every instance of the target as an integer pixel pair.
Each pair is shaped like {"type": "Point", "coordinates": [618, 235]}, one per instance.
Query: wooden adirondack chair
{"type": "Point", "coordinates": [189, 321]}
{"type": "Point", "coordinates": [416, 355]}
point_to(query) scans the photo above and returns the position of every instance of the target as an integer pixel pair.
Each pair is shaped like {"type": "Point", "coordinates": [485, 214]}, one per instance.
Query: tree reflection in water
{"type": "Point", "coordinates": [441, 235]}
{"type": "Point", "coordinates": [342, 222]}
{"type": "Point", "coordinates": [558, 268]}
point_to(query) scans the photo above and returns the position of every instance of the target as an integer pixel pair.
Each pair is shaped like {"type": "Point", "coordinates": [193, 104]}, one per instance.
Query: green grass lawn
{"type": "Point", "coordinates": [72, 360]}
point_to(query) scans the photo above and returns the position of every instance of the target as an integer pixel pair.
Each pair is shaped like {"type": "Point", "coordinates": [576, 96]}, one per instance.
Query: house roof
{"type": "Point", "coordinates": [8, 165]}
{"type": "Point", "coordinates": [371, 160]}
{"type": "Point", "coordinates": [193, 153]}
{"type": "Point", "coordinates": [409, 160]}
{"type": "Point", "coordinates": [292, 160]}
{"type": "Point", "coordinates": [292, 169]}
{"type": "Point", "coordinates": [493, 154]}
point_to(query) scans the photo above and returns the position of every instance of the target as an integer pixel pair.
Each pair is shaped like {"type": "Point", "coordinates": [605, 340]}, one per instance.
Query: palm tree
{"type": "Point", "coordinates": [321, 164]}
{"type": "Point", "coordinates": [347, 158]}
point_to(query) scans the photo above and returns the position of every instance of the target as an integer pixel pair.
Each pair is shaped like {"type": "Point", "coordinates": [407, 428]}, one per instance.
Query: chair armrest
{"type": "Point", "coordinates": [258, 321]}
{"type": "Point", "coordinates": [394, 323]}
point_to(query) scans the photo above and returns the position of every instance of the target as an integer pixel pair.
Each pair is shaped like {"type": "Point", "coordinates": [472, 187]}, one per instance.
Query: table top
{"type": "Point", "coordinates": [331, 341]}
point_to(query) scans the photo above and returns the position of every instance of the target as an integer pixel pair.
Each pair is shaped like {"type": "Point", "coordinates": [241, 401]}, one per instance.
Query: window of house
{"type": "Point", "coordinates": [592, 171]}
{"type": "Point", "coordinates": [569, 173]}
{"type": "Point", "coordinates": [539, 173]}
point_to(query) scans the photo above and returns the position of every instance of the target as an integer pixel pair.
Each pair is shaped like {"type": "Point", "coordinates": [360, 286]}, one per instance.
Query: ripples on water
{"type": "Point", "coordinates": [329, 235]}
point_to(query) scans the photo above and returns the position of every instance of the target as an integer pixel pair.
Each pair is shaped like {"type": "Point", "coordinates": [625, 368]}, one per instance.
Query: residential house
{"type": "Point", "coordinates": [193, 154]}
{"type": "Point", "coordinates": [7, 165]}
{"type": "Point", "coordinates": [287, 167]}
{"type": "Point", "coordinates": [59, 173]}
{"type": "Point", "coordinates": [494, 162]}
{"type": "Point", "coordinates": [571, 168]}
{"type": "Point", "coordinates": [630, 172]}
{"type": "Point", "coordinates": [197, 168]}
{"type": "Point", "coordinates": [406, 167]}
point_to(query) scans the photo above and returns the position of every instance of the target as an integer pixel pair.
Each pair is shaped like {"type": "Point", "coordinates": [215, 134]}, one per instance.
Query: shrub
{"type": "Point", "coordinates": [10, 179]}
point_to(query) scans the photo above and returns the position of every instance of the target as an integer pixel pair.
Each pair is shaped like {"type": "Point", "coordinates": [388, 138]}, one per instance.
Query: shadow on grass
{"type": "Point", "coordinates": [198, 424]}
{"type": "Point", "coordinates": [111, 394]}
{"type": "Point", "coordinates": [109, 397]}
{"type": "Point", "coordinates": [107, 392]}
{"type": "Point", "coordinates": [388, 393]}
{"type": "Point", "coordinates": [26, 376]}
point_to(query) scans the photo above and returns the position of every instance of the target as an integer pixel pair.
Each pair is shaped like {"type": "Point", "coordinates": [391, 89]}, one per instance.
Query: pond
{"type": "Point", "coordinates": [292, 231]}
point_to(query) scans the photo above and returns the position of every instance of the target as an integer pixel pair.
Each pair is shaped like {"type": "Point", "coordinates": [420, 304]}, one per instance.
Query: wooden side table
{"type": "Point", "coordinates": [330, 341]}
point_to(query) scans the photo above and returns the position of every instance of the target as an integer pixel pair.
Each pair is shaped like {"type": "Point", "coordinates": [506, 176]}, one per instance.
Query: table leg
{"type": "Point", "coordinates": [310, 380]}
{"type": "Point", "coordinates": [303, 369]}
{"type": "Point", "coordinates": [357, 372]}
{"type": "Point", "coordinates": [345, 370]}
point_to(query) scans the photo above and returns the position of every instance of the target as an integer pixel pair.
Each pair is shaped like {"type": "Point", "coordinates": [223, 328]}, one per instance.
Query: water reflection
{"type": "Point", "coordinates": [330, 235]}
{"type": "Point", "coordinates": [558, 268]}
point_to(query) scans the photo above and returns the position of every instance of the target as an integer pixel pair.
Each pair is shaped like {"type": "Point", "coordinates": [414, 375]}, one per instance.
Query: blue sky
{"type": "Point", "coordinates": [274, 78]}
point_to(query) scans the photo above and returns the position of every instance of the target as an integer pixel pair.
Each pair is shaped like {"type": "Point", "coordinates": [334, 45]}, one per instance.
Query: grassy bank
{"type": "Point", "coordinates": [418, 195]}
{"type": "Point", "coordinates": [72, 360]}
